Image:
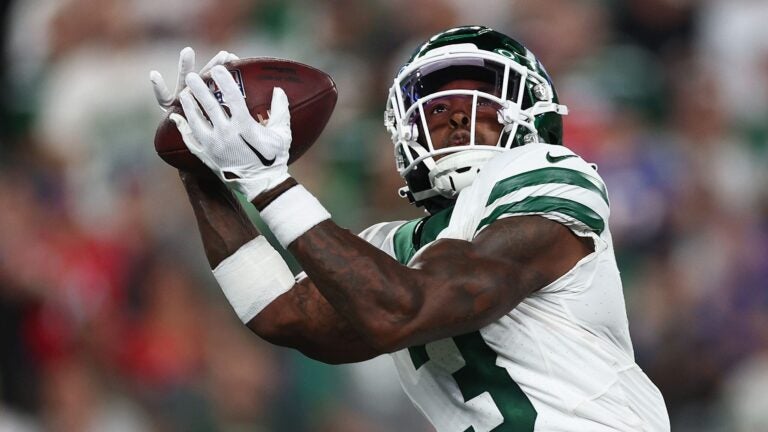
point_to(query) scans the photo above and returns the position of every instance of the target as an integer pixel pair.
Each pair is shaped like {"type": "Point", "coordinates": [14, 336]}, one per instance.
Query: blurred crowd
{"type": "Point", "coordinates": [111, 321]}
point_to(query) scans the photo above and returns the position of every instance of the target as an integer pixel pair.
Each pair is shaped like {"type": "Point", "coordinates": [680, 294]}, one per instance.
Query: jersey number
{"type": "Point", "coordinates": [480, 374]}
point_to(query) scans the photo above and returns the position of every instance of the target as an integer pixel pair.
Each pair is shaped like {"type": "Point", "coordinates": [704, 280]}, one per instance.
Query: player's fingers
{"type": "Point", "coordinates": [162, 94]}
{"type": "Point", "coordinates": [220, 58]}
{"type": "Point", "coordinates": [230, 91]}
{"type": "Point", "coordinates": [186, 65]}
{"type": "Point", "coordinates": [207, 100]}
{"type": "Point", "coordinates": [279, 115]}
{"type": "Point", "coordinates": [188, 137]}
{"type": "Point", "coordinates": [186, 133]}
{"type": "Point", "coordinates": [195, 117]}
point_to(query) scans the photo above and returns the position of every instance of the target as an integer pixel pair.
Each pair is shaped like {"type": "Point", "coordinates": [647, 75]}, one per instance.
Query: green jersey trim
{"type": "Point", "coordinates": [403, 241]}
{"type": "Point", "coordinates": [433, 226]}
{"type": "Point", "coordinates": [546, 204]}
{"type": "Point", "coordinates": [413, 235]}
{"type": "Point", "coordinates": [544, 176]}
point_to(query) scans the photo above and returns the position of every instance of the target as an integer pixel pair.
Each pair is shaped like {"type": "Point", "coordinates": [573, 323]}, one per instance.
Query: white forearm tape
{"type": "Point", "coordinates": [293, 213]}
{"type": "Point", "coordinates": [253, 277]}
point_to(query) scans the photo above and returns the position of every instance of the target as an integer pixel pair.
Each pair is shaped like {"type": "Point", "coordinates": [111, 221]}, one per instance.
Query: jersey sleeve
{"type": "Point", "coordinates": [381, 235]}
{"type": "Point", "coordinates": [550, 181]}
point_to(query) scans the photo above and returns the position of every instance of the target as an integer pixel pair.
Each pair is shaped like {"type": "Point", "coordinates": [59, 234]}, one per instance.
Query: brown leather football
{"type": "Point", "coordinates": [311, 95]}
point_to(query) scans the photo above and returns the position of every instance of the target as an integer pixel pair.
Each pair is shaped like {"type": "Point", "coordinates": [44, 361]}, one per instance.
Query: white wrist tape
{"type": "Point", "coordinates": [253, 277]}
{"type": "Point", "coordinates": [293, 213]}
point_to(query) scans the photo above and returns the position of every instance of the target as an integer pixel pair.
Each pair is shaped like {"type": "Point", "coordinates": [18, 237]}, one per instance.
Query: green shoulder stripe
{"type": "Point", "coordinates": [546, 204]}
{"type": "Point", "coordinates": [546, 176]}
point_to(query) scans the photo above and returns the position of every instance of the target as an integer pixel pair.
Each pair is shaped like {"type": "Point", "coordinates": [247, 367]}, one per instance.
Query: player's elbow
{"type": "Point", "coordinates": [387, 332]}
{"type": "Point", "coordinates": [388, 327]}
{"type": "Point", "coordinates": [384, 341]}
{"type": "Point", "coordinates": [277, 329]}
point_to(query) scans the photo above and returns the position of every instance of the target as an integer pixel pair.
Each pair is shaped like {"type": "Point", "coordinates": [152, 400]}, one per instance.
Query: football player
{"type": "Point", "coordinates": [502, 307]}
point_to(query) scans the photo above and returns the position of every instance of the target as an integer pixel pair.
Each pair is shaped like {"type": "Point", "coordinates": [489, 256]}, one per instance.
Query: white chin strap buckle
{"type": "Point", "coordinates": [456, 171]}
{"type": "Point", "coordinates": [449, 184]}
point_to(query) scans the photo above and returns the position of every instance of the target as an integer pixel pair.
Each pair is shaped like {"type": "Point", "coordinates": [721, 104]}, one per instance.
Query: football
{"type": "Point", "coordinates": [311, 95]}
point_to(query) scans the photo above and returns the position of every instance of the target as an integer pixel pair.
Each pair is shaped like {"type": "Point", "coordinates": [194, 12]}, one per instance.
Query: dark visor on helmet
{"type": "Point", "coordinates": [434, 76]}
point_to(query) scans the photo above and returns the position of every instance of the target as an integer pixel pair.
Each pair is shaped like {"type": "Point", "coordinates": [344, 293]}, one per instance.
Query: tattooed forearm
{"type": "Point", "coordinates": [363, 283]}
{"type": "Point", "coordinates": [317, 312]}
{"type": "Point", "coordinates": [300, 318]}
{"type": "Point", "coordinates": [303, 319]}
{"type": "Point", "coordinates": [223, 224]}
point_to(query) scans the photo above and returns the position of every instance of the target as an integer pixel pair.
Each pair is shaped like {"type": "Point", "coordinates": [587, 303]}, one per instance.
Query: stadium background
{"type": "Point", "coordinates": [109, 319]}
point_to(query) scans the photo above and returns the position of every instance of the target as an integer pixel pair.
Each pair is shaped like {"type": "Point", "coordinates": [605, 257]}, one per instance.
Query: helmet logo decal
{"type": "Point", "coordinates": [541, 92]}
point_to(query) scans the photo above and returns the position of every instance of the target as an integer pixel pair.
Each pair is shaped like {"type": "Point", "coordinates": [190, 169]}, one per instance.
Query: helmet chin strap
{"type": "Point", "coordinates": [455, 171]}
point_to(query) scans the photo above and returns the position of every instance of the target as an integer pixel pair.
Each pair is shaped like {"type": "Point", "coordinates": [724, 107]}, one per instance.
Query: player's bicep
{"type": "Point", "coordinates": [468, 285]}
{"type": "Point", "coordinates": [540, 244]}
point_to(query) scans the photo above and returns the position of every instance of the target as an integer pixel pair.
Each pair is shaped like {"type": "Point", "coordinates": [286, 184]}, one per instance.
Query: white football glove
{"type": "Point", "coordinates": [250, 156]}
{"type": "Point", "coordinates": [186, 65]}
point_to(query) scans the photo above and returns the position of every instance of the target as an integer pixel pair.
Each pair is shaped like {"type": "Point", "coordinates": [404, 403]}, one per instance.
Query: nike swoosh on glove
{"type": "Point", "coordinates": [244, 153]}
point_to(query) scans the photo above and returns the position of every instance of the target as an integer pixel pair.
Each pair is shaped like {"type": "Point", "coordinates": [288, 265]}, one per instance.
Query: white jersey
{"type": "Point", "coordinates": [562, 359]}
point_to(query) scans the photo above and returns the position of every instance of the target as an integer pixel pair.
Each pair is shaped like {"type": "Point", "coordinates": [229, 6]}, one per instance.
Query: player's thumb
{"type": "Point", "coordinates": [186, 133]}
{"type": "Point", "coordinates": [279, 115]}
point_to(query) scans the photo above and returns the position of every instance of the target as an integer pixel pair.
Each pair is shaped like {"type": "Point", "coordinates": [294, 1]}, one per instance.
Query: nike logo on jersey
{"type": "Point", "coordinates": [264, 161]}
{"type": "Point", "coordinates": [555, 159]}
